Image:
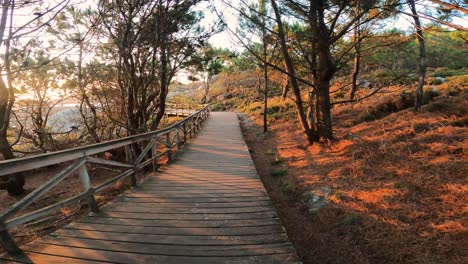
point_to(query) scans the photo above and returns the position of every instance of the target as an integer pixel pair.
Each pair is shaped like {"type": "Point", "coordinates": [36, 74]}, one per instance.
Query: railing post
{"type": "Point", "coordinates": [133, 181]}
{"type": "Point", "coordinates": [154, 156]}
{"type": "Point", "coordinates": [86, 183]}
{"type": "Point", "coordinates": [184, 126]}
{"type": "Point", "coordinates": [6, 241]}
{"type": "Point", "coordinates": [169, 146]}
{"type": "Point", "coordinates": [190, 127]}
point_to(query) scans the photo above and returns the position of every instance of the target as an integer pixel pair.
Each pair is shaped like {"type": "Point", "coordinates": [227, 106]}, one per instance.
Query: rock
{"type": "Point", "coordinates": [316, 199]}
{"type": "Point", "coordinates": [364, 83]}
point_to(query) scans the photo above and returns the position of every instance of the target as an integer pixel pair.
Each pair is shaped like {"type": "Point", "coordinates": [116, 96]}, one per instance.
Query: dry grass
{"type": "Point", "coordinates": [400, 189]}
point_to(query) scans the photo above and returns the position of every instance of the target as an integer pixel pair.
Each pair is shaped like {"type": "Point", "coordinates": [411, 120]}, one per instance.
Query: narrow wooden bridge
{"type": "Point", "coordinates": [209, 206]}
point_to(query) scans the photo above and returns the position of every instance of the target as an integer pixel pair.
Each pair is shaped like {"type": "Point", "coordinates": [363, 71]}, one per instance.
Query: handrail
{"type": "Point", "coordinates": [41, 160]}
{"type": "Point", "coordinates": [83, 155]}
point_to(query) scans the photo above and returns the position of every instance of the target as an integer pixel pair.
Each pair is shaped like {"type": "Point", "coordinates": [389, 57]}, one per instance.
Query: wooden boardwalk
{"type": "Point", "coordinates": [207, 207]}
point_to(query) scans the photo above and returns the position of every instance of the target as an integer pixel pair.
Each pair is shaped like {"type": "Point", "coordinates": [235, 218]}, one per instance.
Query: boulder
{"type": "Point", "coordinates": [316, 199]}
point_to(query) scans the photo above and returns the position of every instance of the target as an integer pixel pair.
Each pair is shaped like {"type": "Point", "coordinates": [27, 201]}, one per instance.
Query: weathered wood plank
{"type": "Point", "coordinates": [126, 202]}
{"type": "Point", "coordinates": [174, 239]}
{"type": "Point", "coordinates": [40, 255]}
{"type": "Point", "coordinates": [181, 187]}
{"type": "Point", "coordinates": [204, 231]}
{"type": "Point", "coordinates": [120, 207]}
{"type": "Point", "coordinates": [135, 198]}
{"type": "Point", "coordinates": [29, 257]}
{"type": "Point", "coordinates": [181, 223]}
{"type": "Point", "coordinates": [243, 216]}
{"type": "Point", "coordinates": [172, 250]}
{"type": "Point", "coordinates": [198, 195]}
{"type": "Point", "coordinates": [176, 193]}
{"type": "Point", "coordinates": [207, 184]}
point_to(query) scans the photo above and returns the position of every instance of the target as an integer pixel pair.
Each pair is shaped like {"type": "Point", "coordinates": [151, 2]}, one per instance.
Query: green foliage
{"type": "Point", "coordinates": [278, 160]}
{"type": "Point", "coordinates": [446, 72]}
{"type": "Point", "coordinates": [454, 85]}
{"type": "Point", "coordinates": [289, 186]}
{"type": "Point", "coordinates": [352, 219]}
{"type": "Point", "coordinates": [435, 81]}
{"type": "Point", "coordinates": [279, 173]}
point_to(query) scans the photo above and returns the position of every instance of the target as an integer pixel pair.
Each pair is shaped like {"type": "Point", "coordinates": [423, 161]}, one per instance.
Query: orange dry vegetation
{"type": "Point", "coordinates": [400, 188]}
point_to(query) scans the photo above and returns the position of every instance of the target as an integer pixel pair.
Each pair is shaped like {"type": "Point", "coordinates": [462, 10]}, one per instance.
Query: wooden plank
{"type": "Point", "coordinates": [46, 258]}
{"type": "Point", "coordinates": [212, 180]}
{"type": "Point", "coordinates": [174, 239]}
{"type": "Point", "coordinates": [261, 215]}
{"type": "Point", "coordinates": [187, 210]}
{"type": "Point", "coordinates": [124, 257]}
{"type": "Point", "coordinates": [137, 199]}
{"type": "Point", "coordinates": [203, 231]}
{"type": "Point", "coordinates": [198, 195]}
{"type": "Point", "coordinates": [169, 192]}
{"type": "Point", "coordinates": [181, 223]}
{"type": "Point", "coordinates": [207, 185]}
{"type": "Point", "coordinates": [176, 205]}
{"type": "Point", "coordinates": [204, 186]}
{"type": "Point", "coordinates": [172, 250]}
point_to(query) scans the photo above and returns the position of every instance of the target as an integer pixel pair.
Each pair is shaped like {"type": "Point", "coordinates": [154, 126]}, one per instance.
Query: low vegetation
{"type": "Point", "coordinates": [398, 177]}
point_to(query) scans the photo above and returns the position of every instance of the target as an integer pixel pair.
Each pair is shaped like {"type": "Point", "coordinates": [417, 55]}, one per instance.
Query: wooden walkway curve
{"type": "Point", "coordinates": [207, 207]}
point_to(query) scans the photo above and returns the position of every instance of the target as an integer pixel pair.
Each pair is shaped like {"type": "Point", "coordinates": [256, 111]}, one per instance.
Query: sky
{"type": "Point", "coordinates": [226, 39]}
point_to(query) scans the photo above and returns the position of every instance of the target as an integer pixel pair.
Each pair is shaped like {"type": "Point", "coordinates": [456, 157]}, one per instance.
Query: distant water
{"type": "Point", "coordinates": [64, 118]}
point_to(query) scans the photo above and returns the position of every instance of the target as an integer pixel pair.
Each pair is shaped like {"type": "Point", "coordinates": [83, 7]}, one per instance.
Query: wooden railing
{"type": "Point", "coordinates": [156, 144]}
{"type": "Point", "coordinates": [178, 109]}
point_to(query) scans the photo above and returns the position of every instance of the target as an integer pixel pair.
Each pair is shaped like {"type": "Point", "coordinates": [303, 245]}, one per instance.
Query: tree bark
{"type": "Point", "coordinates": [357, 59]}
{"type": "Point", "coordinates": [265, 69]}
{"type": "Point", "coordinates": [326, 68]}
{"type": "Point", "coordinates": [13, 183]}
{"type": "Point", "coordinates": [422, 56]}
{"type": "Point", "coordinates": [310, 135]}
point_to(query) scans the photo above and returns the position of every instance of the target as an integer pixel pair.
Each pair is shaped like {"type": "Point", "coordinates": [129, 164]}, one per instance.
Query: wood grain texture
{"type": "Point", "coordinates": [209, 206]}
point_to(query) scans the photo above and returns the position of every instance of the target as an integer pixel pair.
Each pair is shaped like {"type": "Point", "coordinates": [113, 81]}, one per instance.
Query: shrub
{"type": "Point", "coordinates": [279, 173]}
{"type": "Point", "coordinates": [446, 72]}
{"type": "Point", "coordinates": [435, 80]}
{"type": "Point", "coordinates": [289, 187]}
{"type": "Point", "coordinates": [278, 160]}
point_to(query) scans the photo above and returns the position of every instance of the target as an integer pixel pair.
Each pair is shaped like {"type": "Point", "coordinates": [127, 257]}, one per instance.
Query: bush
{"type": "Point", "coordinates": [279, 173]}
{"type": "Point", "coordinates": [454, 85]}
{"type": "Point", "coordinates": [387, 105]}
{"type": "Point", "coordinates": [446, 72]}
{"type": "Point", "coordinates": [435, 81]}
{"type": "Point", "coordinates": [429, 94]}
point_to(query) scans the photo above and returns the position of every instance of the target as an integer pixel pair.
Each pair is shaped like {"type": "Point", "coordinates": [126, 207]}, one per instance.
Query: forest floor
{"type": "Point", "coordinates": [399, 184]}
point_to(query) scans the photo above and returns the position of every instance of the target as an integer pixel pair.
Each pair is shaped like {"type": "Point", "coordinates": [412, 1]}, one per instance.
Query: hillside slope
{"type": "Point", "coordinates": [398, 181]}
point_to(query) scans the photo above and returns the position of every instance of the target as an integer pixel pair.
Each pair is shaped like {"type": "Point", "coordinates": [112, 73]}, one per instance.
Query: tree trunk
{"type": "Point", "coordinates": [311, 111]}
{"type": "Point", "coordinates": [310, 135]}
{"type": "Point", "coordinates": [357, 60]}
{"type": "Point", "coordinates": [265, 102]}
{"type": "Point", "coordinates": [422, 57]}
{"type": "Point", "coordinates": [326, 68]}
{"type": "Point", "coordinates": [14, 183]}
{"type": "Point", "coordinates": [265, 70]}
{"type": "Point", "coordinates": [324, 124]}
